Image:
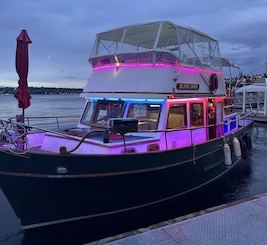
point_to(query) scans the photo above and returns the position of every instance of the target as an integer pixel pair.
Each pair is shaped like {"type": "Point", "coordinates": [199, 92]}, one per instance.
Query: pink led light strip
{"type": "Point", "coordinates": [184, 68]}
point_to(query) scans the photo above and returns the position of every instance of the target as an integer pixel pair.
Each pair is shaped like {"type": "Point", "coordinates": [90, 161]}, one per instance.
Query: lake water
{"type": "Point", "coordinates": [61, 105]}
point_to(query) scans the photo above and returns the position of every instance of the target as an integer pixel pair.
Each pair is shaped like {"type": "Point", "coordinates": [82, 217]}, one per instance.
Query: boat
{"type": "Point", "coordinates": [253, 98]}
{"type": "Point", "coordinates": [156, 126]}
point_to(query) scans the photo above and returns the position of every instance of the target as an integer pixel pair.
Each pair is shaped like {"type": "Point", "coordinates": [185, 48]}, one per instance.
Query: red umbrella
{"type": "Point", "coordinates": [22, 64]}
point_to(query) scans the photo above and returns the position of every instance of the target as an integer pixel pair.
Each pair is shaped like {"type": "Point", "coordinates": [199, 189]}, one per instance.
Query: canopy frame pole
{"type": "Point", "coordinates": [122, 38]}
{"type": "Point", "coordinates": [158, 35]}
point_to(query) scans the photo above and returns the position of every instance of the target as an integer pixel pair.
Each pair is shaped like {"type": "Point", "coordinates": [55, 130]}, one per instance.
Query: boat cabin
{"type": "Point", "coordinates": [253, 97]}
{"type": "Point", "coordinates": [154, 86]}
{"type": "Point", "coordinates": [160, 125]}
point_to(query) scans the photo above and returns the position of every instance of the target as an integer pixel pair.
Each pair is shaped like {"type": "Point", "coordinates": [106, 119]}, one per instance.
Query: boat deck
{"type": "Point", "coordinates": [235, 223]}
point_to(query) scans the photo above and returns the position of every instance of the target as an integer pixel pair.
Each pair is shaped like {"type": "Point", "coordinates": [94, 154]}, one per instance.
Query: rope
{"type": "Point", "coordinates": [63, 149]}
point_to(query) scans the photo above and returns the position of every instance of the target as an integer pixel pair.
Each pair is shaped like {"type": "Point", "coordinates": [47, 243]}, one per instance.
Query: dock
{"type": "Point", "coordinates": [239, 222]}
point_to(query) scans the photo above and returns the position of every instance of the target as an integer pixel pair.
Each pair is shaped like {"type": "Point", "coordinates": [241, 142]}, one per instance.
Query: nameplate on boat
{"type": "Point", "coordinates": [187, 86]}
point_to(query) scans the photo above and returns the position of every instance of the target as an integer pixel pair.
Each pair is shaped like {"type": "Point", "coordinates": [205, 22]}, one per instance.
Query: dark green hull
{"type": "Point", "coordinates": [104, 188]}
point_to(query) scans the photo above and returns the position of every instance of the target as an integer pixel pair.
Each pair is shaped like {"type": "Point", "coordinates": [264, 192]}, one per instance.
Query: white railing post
{"type": "Point", "coordinates": [265, 102]}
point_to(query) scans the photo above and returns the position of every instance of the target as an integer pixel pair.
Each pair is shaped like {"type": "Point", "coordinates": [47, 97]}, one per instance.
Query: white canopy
{"type": "Point", "coordinates": [190, 46]}
{"type": "Point", "coordinates": [147, 32]}
{"type": "Point", "coordinates": [252, 88]}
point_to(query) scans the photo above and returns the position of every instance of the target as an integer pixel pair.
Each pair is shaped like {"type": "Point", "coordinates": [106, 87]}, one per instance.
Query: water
{"type": "Point", "coordinates": [45, 106]}
{"type": "Point", "coordinates": [246, 186]}
{"type": "Point", "coordinates": [42, 105]}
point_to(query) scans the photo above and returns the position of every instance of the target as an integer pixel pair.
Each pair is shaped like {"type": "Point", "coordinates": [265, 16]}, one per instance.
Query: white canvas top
{"type": "Point", "coordinates": [185, 43]}
{"type": "Point", "coordinates": [143, 32]}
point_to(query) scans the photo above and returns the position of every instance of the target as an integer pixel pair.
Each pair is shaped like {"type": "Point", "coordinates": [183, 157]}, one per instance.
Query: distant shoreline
{"type": "Point", "coordinates": [42, 91]}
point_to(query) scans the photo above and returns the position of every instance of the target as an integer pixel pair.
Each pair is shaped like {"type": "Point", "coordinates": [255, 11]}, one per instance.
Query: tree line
{"type": "Point", "coordinates": [42, 90]}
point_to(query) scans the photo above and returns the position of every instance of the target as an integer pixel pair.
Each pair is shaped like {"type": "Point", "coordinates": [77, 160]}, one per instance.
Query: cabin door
{"type": "Point", "coordinates": [215, 119]}
{"type": "Point", "coordinates": [211, 119]}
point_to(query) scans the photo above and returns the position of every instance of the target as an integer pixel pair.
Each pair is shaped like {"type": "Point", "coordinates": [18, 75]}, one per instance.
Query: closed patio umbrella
{"type": "Point", "coordinates": [22, 64]}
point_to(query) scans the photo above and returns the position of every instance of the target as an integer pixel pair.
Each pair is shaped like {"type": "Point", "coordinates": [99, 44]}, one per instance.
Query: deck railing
{"type": "Point", "coordinates": [61, 122]}
{"type": "Point", "coordinates": [20, 129]}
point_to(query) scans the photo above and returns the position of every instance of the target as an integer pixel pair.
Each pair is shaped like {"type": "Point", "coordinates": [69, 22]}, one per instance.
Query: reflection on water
{"type": "Point", "coordinates": [10, 229]}
{"type": "Point", "coordinates": [260, 134]}
{"type": "Point", "coordinates": [256, 182]}
{"type": "Point", "coordinates": [41, 105]}
{"type": "Point", "coordinates": [251, 183]}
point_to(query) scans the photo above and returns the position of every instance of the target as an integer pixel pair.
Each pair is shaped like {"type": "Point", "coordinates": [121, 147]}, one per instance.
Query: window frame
{"type": "Point", "coordinates": [185, 115]}
{"type": "Point", "coordinates": [145, 103]}
{"type": "Point", "coordinates": [98, 103]}
{"type": "Point", "coordinates": [86, 109]}
{"type": "Point", "coordinates": [203, 114]}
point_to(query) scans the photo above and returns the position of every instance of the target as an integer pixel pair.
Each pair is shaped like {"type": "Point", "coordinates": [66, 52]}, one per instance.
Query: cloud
{"type": "Point", "coordinates": [64, 31]}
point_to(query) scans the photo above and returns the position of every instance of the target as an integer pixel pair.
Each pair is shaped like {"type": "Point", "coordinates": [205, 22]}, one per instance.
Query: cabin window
{"type": "Point", "coordinates": [105, 110]}
{"type": "Point", "coordinates": [147, 115]}
{"type": "Point", "coordinates": [177, 117]}
{"type": "Point", "coordinates": [196, 114]}
{"type": "Point", "coordinates": [88, 112]}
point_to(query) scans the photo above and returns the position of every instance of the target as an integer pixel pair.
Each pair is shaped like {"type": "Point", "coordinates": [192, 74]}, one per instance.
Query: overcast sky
{"type": "Point", "coordinates": [63, 32]}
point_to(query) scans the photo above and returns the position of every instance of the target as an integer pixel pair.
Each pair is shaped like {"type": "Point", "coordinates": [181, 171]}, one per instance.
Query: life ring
{"type": "Point", "coordinates": [248, 141]}
{"type": "Point", "coordinates": [244, 149]}
{"type": "Point", "coordinates": [213, 82]}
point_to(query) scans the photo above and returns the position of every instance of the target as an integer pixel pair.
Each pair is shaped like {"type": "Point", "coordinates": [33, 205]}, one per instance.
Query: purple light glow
{"type": "Point", "coordinates": [171, 101]}
{"type": "Point", "coordinates": [178, 67]}
{"type": "Point", "coordinates": [199, 136]}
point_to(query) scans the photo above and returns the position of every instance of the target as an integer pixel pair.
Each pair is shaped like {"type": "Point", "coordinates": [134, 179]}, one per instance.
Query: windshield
{"type": "Point", "coordinates": [88, 112]}
{"type": "Point", "coordinates": [147, 115]}
{"type": "Point", "coordinates": [105, 110]}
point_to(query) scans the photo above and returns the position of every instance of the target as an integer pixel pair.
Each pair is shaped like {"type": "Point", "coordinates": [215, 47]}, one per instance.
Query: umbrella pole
{"type": "Point", "coordinates": [23, 115]}
{"type": "Point", "coordinates": [23, 121]}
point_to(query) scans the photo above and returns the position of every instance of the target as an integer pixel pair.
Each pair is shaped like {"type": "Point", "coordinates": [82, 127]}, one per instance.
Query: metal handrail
{"type": "Point", "coordinates": [63, 150]}
{"type": "Point", "coordinates": [46, 117]}
{"type": "Point", "coordinates": [193, 128]}
{"type": "Point", "coordinates": [28, 118]}
{"type": "Point", "coordinates": [41, 129]}
{"type": "Point", "coordinates": [143, 131]}
{"type": "Point", "coordinates": [229, 106]}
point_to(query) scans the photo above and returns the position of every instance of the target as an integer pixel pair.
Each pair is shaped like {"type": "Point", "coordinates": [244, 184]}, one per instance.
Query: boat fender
{"type": "Point", "coordinates": [244, 149]}
{"type": "Point", "coordinates": [227, 154]}
{"type": "Point", "coordinates": [248, 141]}
{"type": "Point", "coordinates": [237, 148]}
